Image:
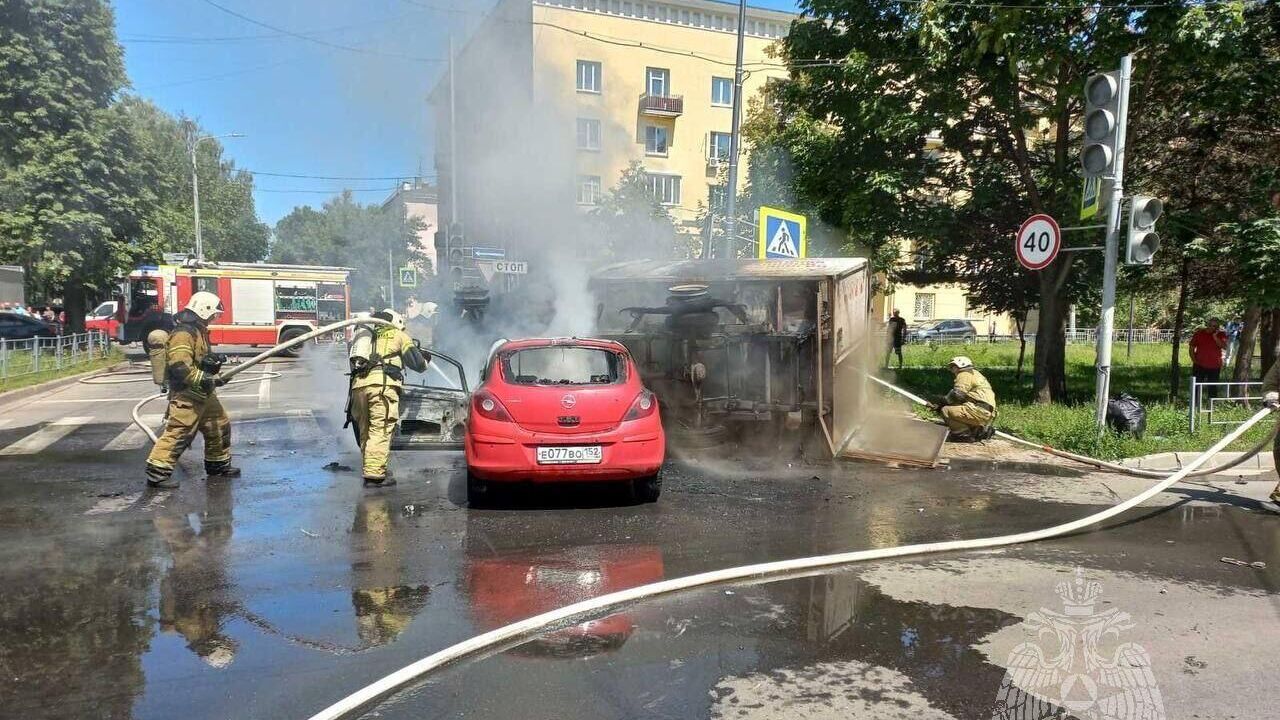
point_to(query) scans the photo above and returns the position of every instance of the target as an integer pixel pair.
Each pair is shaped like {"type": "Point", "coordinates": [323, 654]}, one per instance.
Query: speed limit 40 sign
{"type": "Point", "coordinates": [1039, 240]}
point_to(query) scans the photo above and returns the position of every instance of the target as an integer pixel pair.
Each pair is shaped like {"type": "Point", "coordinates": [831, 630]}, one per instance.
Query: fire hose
{"type": "Point", "coordinates": [270, 352]}
{"type": "Point", "coordinates": [1086, 460]}
{"type": "Point", "coordinates": [499, 638]}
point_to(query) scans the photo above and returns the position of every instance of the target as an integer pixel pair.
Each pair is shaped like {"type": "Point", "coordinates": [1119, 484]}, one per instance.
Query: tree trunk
{"type": "Point", "coordinates": [1243, 368]}
{"type": "Point", "coordinates": [1270, 335]}
{"type": "Point", "coordinates": [73, 304]}
{"type": "Point", "coordinates": [1051, 351]}
{"type": "Point", "coordinates": [1050, 383]}
{"type": "Point", "coordinates": [1179, 321]}
{"type": "Point", "coordinates": [1020, 322]}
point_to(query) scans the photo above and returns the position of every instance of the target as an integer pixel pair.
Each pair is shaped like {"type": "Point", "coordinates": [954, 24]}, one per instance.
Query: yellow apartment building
{"type": "Point", "coordinates": [570, 92]}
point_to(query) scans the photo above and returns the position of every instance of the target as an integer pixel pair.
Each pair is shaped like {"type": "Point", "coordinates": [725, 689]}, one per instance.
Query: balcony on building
{"type": "Point", "coordinates": [662, 105]}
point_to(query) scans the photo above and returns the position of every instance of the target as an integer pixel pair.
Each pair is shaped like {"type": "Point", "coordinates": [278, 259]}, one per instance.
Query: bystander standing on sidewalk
{"type": "Point", "coordinates": [1208, 346]}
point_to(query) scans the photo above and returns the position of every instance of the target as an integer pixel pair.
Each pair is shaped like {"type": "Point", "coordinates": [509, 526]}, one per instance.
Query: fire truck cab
{"type": "Point", "coordinates": [264, 304]}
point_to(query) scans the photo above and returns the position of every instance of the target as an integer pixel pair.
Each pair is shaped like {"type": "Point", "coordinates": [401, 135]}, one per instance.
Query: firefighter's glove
{"type": "Point", "coordinates": [393, 372]}
{"type": "Point", "coordinates": [219, 381]}
{"type": "Point", "coordinates": [1271, 400]}
{"type": "Point", "coordinates": [212, 363]}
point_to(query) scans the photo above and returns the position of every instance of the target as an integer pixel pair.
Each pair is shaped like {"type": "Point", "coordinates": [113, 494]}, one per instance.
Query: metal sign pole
{"type": "Point", "coordinates": [1107, 322]}
{"type": "Point", "coordinates": [731, 199]}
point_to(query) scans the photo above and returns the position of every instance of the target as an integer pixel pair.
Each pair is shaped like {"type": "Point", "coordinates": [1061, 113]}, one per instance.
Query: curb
{"type": "Point", "coordinates": [26, 392]}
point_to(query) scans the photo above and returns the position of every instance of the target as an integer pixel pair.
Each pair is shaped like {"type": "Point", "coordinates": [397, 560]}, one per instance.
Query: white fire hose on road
{"type": "Point", "coordinates": [506, 635]}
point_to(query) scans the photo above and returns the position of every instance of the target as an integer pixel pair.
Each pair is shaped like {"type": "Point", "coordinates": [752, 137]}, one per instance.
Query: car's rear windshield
{"type": "Point", "coordinates": [566, 365]}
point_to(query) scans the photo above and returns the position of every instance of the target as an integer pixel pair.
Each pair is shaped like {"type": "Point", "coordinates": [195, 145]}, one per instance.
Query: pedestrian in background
{"type": "Point", "coordinates": [1271, 398]}
{"type": "Point", "coordinates": [1234, 328]}
{"type": "Point", "coordinates": [991, 332]}
{"type": "Point", "coordinates": [897, 336]}
{"type": "Point", "coordinates": [1208, 346]}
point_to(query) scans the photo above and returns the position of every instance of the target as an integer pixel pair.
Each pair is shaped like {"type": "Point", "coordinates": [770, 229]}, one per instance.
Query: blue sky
{"type": "Point", "coordinates": [306, 108]}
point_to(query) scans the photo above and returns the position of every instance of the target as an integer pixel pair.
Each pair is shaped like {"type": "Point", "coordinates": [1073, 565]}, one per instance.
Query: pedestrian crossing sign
{"type": "Point", "coordinates": [781, 235]}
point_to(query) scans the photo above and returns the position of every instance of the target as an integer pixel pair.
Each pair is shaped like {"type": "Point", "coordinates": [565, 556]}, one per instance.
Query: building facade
{"type": "Point", "coordinates": [551, 100]}
{"type": "Point", "coordinates": [416, 200]}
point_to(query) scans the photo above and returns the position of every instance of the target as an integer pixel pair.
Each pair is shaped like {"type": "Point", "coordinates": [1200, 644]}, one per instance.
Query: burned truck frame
{"type": "Point", "coordinates": [734, 345]}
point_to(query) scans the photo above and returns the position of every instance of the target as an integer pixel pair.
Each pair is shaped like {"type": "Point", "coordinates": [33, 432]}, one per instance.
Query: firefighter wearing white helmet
{"type": "Point", "coordinates": [970, 408]}
{"type": "Point", "coordinates": [378, 357]}
{"type": "Point", "coordinates": [191, 369]}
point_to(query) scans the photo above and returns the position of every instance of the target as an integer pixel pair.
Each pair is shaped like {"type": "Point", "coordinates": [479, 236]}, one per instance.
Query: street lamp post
{"type": "Point", "coordinates": [195, 186]}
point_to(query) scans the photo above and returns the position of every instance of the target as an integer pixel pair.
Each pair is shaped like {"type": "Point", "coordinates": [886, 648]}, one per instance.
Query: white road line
{"type": "Point", "coordinates": [132, 437]}
{"type": "Point", "coordinates": [124, 399]}
{"type": "Point", "coordinates": [264, 392]}
{"type": "Point", "coordinates": [45, 436]}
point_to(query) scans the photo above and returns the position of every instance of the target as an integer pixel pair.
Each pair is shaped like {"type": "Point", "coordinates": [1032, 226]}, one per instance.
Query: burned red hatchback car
{"type": "Point", "coordinates": [563, 410]}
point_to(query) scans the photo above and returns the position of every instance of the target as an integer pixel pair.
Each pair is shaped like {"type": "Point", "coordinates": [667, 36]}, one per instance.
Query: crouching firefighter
{"type": "Point", "coordinates": [970, 408]}
{"type": "Point", "coordinates": [191, 370]}
{"type": "Point", "coordinates": [378, 357]}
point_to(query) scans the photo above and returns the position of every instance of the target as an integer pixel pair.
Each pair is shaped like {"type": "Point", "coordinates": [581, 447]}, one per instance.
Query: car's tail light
{"type": "Point", "coordinates": [484, 404]}
{"type": "Point", "coordinates": [645, 404]}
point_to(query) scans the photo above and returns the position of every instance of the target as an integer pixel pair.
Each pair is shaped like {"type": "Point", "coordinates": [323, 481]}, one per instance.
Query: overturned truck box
{"type": "Point", "coordinates": [763, 352]}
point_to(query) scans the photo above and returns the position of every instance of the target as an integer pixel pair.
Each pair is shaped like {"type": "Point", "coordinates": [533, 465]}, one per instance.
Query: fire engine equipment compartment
{"type": "Point", "coordinates": [762, 351]}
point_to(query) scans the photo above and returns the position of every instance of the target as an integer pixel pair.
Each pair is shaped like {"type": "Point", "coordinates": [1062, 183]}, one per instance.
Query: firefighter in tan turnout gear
{"type": "Point", "coordinates": [191, 369]}
{"type": "Point", "coordinates": [970, 408]}
{"type": "Point", "coordinates": [379, 354]}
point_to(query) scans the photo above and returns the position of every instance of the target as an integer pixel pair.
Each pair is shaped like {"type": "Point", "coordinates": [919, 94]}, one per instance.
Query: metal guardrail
{"type": "Point", "coordinates": [1238, 394]}
{"type": "Point", "coordinates": [36, 355]}
{"type": "Point", "coordinates": [1141, 337]}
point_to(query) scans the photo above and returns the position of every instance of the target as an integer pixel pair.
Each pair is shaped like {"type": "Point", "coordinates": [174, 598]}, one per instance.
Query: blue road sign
{"type": "Point", "coordinates": [782, 235]}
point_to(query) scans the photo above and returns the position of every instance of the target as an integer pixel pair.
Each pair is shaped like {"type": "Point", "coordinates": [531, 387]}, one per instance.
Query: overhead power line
{"type": "Point", "coordinates": [334, 191]}
{"type": "Point", "coordinates": [406, 176]}
{"type": "Point", "coordinates": [318, 41]}
{"type": "Point", "coordinates": [213, 40]}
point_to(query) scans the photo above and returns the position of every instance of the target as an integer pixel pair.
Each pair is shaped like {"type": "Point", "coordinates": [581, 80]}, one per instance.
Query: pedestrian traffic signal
{"type": "Point", "coordinates": [1142, 240]}
{"type": "Point", "coordinates": [1101, 108]}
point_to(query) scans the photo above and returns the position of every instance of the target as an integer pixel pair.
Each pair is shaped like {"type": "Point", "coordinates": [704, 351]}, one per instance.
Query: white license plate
{"type": "Point", "coordinates": [576, 455]}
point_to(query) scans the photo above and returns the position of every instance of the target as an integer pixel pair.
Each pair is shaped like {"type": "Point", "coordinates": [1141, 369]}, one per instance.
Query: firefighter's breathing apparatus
{"type": "Point", "coordinates": [510, 635]}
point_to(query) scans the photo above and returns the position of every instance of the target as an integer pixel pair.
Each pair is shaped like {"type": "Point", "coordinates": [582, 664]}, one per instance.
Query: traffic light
{"type": "Point", "coordinates": [1101, 102]}
{"type": "Point", "coordinates": [1142, 240]}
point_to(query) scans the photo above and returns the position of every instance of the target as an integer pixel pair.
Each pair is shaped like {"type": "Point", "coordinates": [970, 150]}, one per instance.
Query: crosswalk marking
{"type": "Point", "coordinates": [264, 392]}
{"type": "Point", "coordinates": [132, 437]}
{"type": "Point", "coordinates": [45, 436]}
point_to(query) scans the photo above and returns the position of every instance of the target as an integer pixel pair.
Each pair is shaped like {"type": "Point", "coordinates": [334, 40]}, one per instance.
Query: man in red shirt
{"type": "Point", "coordinates": [1207, 347]}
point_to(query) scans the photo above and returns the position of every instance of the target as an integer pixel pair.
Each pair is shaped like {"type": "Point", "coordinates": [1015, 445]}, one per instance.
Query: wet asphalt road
{"type": "Point", "coordinates": [276, 594]}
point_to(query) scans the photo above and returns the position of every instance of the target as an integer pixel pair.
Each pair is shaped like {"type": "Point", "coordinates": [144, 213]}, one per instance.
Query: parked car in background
{"type": "Point", "coordinates": [564, 410]}
{"type": "Point", "coordinates": [22, 327]}
{"type": "Point", "coordinates": [944, 331]}
{"type": "Point", "coordinates": [103, 318]}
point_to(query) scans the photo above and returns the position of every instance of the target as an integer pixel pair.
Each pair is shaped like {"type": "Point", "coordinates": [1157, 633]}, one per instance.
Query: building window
{"type": "Point", "coordinates": [588, 189]}
{"type": "Point", "coordinates": [718, 147]}
{"type": "Point", "coordinates": [923, 306]}
{"type": "Point", "coordinates": [655, 140]}
{"type": "Point", "coordinates": [588, 76]}
{"type": "Point", "coordinates": [665, 188]}
{"type": "Point", "coordinates": [715, 198]}
{"type": "Point", "coordinates": [588, 134]}
{"type": "Point", "coordinates": [658, 82]}
{"type": "Point", "coordinates": [684, 17]}
{"type": "Point", "coordinates": [721, 91]}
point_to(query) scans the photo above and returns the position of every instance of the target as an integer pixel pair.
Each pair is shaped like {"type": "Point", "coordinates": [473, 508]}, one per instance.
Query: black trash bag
{"type": "Point", "coordinates": [1126, 415]}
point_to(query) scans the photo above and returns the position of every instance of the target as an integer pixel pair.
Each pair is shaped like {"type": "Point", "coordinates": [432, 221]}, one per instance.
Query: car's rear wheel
{"type": "Point", "coordinates": [647, 489]}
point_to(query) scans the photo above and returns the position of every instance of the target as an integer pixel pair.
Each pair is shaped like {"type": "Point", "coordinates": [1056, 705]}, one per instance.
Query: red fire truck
{"type": "Point", "coordinates": [264, 304]}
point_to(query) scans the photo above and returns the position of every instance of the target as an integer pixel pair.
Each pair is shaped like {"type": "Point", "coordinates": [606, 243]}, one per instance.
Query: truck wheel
{"type": "Point", "coordinates": [288, 335]}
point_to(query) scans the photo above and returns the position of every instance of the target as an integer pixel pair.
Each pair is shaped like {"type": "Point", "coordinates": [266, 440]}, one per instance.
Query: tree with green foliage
{"type": "Point", "coordinates": [228, 219]}
{"type": "Point", "coordinates": [632, 223]}
{"type": "Point", "coordinates": [73, 192]}
{"type": "Point", "coordinates": [947, 124]}
{"type": "Point", "coordinates": [346, 233]}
